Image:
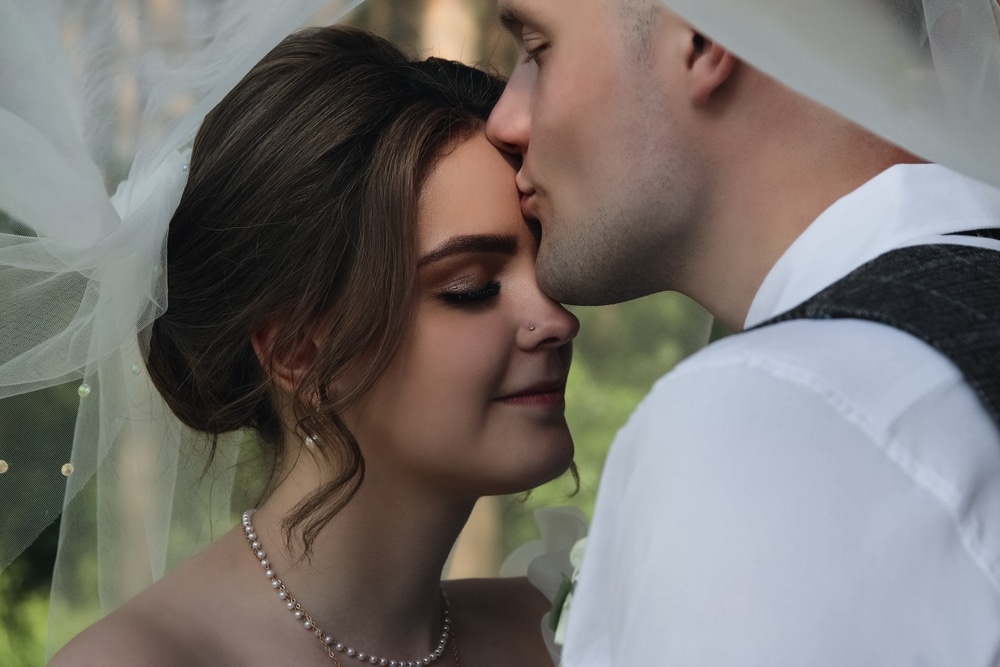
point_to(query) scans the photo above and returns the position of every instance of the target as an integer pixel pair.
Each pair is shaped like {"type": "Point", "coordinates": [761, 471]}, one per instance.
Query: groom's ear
{"type": "Point", "coordinates": [709, 66]}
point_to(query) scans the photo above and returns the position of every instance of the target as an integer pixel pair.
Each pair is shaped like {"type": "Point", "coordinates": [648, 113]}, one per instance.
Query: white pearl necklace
{"type": "Point", "coordinates": [332, 646]}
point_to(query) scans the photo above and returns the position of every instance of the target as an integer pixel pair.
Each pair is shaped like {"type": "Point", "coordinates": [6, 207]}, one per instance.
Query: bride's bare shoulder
{"type": "Point", "coordinates": [176, 621]}
{"type": "Point", "coordinates": [129, 636]}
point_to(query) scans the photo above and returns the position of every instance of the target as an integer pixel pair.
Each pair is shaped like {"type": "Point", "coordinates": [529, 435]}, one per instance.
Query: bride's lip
{"type": "Point", "coordinates": [542, 393]}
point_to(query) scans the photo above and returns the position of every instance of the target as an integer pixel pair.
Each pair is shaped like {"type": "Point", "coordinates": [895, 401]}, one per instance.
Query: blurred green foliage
{"type": "Point", "coordinates": [44, 416]}
{"type": "Point", "coordinates": [22, 617]}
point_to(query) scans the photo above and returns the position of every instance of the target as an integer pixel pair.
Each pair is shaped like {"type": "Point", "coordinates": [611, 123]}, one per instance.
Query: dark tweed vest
{"type": "Point", "coordinates": [946, 295]}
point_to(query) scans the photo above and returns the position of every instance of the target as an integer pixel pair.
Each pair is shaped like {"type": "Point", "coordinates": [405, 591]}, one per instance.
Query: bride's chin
{"type": "Point", "coordinates": [556, 462]}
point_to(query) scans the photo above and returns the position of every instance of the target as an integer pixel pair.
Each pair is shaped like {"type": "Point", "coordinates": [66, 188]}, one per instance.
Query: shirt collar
{"type": "Point", "coordinates": [904, 205]}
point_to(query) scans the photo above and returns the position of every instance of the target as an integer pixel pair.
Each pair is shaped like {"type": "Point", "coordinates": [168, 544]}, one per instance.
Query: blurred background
{"type": "Point", "coordinates": [620, 352]}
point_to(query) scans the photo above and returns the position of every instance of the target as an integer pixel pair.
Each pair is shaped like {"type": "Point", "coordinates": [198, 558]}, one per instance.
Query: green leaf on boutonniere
{"type": "Point", "coordinates": [559, 601]}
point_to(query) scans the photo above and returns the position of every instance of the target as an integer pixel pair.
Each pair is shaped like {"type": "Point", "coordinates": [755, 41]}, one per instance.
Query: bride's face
{"type": "Point", "coordinates": [472, 402]}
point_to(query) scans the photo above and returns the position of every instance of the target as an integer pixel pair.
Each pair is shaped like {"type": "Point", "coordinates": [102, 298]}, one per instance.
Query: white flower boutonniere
{"type": "Point", "coordinates": [559, 616]}
{"type": "Point", "coordinates": [552, 564]}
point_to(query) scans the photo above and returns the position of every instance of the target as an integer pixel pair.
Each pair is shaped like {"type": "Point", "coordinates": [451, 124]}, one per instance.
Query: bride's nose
{"type": "Point", "coordinates": [548, 324]}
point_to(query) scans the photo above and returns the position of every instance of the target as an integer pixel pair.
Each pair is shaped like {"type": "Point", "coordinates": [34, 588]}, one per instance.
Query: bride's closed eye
{"type": "Point", "coordinates": [461, 296]}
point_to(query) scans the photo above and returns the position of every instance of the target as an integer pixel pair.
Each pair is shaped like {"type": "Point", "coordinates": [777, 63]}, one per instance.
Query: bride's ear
{"type": "Point", "coordinates": [285, 370]}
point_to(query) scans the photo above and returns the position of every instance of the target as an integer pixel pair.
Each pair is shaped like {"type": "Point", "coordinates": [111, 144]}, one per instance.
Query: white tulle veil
{"type": "Point", "coordinates": [99, 97]}
{"type": "Point", "coordinates": [105, 96]}
{"type": "Point", "coordinates": [924, 74]}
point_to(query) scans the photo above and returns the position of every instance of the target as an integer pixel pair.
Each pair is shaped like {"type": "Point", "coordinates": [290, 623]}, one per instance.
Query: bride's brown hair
{"type": "Point", "coordinates": [301, 207]}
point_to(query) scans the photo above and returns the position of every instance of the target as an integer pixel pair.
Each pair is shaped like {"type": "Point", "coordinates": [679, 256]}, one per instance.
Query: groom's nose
{"type": "Point", "coordinates": [509, 126]}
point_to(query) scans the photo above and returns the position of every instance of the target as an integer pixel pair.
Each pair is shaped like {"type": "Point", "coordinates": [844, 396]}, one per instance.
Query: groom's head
{"type": "Point", "coordinates": [637, 133]}
{"type": "Point", "coordinates": [588, 107]}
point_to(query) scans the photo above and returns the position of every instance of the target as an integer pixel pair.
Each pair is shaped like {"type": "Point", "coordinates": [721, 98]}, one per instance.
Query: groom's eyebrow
{"type": "Point", "coordinates": [514, 16]}
{"type": "Point", "coordinates": [511, 21]}
{"type": "Point", "coordinates": [505, 244]}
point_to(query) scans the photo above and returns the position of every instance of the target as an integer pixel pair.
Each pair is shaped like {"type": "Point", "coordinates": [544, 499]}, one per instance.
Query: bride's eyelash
{"type": "Point", "coordinates": [471, 297]}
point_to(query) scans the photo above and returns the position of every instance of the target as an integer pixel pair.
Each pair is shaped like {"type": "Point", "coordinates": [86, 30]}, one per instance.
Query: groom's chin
{"type": "Point", "coordinates": [568, 280]}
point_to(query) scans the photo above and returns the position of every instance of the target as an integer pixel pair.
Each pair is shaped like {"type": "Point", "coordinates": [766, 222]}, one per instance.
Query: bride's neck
{"type": "Point", "coordinates": [373, 576]}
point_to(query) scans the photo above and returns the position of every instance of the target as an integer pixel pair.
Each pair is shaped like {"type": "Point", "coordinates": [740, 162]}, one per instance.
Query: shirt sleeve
{"type": "Point", "coordinates": [749, 517]}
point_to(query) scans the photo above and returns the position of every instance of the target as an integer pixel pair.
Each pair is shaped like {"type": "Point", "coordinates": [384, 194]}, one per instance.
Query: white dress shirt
{"type": "Point", "coordinates": [812, 493]}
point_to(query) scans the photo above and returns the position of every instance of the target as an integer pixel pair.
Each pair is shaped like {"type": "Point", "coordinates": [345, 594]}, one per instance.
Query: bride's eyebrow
{"type": "Point", "coordinates": [505, 244]}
